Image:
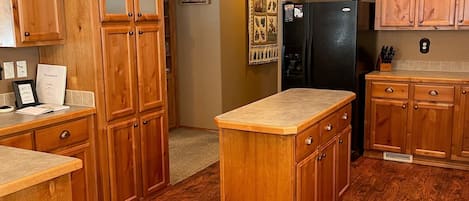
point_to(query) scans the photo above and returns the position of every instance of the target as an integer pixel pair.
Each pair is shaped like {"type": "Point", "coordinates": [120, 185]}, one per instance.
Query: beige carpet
{"type": "Point", "coordinates": [190, 151]}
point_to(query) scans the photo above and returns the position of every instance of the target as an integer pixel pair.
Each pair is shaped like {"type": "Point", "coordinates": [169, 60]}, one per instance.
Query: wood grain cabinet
{"type": "Point", "coordinates": [32, 23]}
{"type": "Point", "coordinates": [463, 14]}
{"type": "Point", "coordinates": [416, 14]}
{"type": "Point", "coordinates": [306, 178]}
{"type": "Point", "coordinates": [461, 131]}
{"type": "Point", "coordinates": [343, 161]}
{"type": "Point", "coordinates": [327, 167]}
{"type": "Point", "coordinates": [130, 10]}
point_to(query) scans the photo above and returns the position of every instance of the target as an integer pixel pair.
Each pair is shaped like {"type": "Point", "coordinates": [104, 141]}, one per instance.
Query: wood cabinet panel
{"type": "Point", "coordinates": [150, 66]}
{"type": "Point", "coordinates": [388, 128]}
{"type": "Point", "coordinates": [463, 14]}
{"type": "Point", "coordinates": [123, 159]}
{"type": "Point", "coordinates": [328, 127]}
{"type": "Point", "coordinates": [343, 158]}
{"type": "Point", "coordinates": [41, 20]}
{"type": "Point", "coordinates": [116, 10]}
{"type": "Point", "coordinates": [120, 82]}
{"type": "Point", "coordinates": [306, 142]}
{"type": "Point", "coordinates": [306, 178]}
{"type": "Point", "coordinates": [63, 134]}
{"type": "Point", "coordinates": [436, 12]}
{"type": "Point", "coordinates": [434, 93]}
{"type": "Point", "coordinates": [147, 10]}
{"type": "Point", "coordinates": [432, 126]}
{"type": "Point", "coordinates": [23, 141]}
{"type": "Point", "coordinates": [327, 172]}
{"type": "Point", "coordinates": [154, 152]}
{"type": "Point", "coordinates": [345, 117]}
{"type": "Point", "coordinates": [389, 90]}
{"type": "Point", "coordinates": [396, 13]}
{"type": "Point", "coordinates": [461, 130]}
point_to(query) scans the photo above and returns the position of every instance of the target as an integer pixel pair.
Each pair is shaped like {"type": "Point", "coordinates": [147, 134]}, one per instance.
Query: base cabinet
{"type": "Point", "coordinates": [461, 132]}
{"type": "Point", "coordinates": [306, 186]}
{"type": "Point", "coordinates": [343, 161]}
{"type": "Point", "coordinates": [327, 164]}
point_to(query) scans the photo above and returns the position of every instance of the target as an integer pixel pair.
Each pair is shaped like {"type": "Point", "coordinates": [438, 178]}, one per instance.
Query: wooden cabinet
{"type": "Point", "coordinates": [327, 166]}
{"type": "Point", "coordinates": [343, 164]}
{"type": "Point", "coordinates": [22, 140]}
{"type": "Point", "coordinates": [461, 129]}
{"type": "Point", "coordinates": [416, 14]}
{"type": "Point", "coordinates": [130, 10]}
{"type": "Point", "coordinates": [306, 179]}
{"type": "Point", "coordinates": [32, 23]}
{"type": "Point", "coordinates": [463, 14]}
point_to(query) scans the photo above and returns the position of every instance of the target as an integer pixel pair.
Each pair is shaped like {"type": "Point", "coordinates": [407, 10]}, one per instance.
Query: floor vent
{"type": "Point", "coordinates": [405, 158]}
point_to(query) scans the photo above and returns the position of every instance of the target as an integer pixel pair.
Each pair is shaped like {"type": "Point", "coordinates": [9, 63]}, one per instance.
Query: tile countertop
{"type": "Point", "coordinates": [13, 122]}
{"type": "Point", "coordinates": [420, 76]}
{"type": "Point", "coordinates": [20, 168]}
{"type": "Point", "coordinates": [286, 113]}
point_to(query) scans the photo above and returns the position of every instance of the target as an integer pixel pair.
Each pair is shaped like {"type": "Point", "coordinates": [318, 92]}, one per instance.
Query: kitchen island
{"type": "Point", "coordinates": [30, 175]}
{"type": "Point", "coordinates": [294, 145]}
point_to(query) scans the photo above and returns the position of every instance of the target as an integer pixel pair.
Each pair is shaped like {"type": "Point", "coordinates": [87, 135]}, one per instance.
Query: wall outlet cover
{"type": "Point", "coordinates": [9, 70]}
{"type": "Point", "coordinates": [21, 69]}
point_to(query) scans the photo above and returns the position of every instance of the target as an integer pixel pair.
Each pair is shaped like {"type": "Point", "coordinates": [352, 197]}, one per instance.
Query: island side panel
{"type": "Point", "coordinates": [256, 166]}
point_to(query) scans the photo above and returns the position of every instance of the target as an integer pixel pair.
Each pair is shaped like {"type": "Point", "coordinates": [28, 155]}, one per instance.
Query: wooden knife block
{"type": "Point", "coordinates": [385, 67]}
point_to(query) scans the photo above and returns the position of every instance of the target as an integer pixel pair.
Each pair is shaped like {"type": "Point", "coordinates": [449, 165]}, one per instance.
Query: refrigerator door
{"type": "Point", "coordinates": [334, 36]}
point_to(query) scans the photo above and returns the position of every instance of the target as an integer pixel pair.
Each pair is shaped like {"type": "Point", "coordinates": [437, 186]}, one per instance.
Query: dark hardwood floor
{"type": "Point", "coordinates": [371, 180]}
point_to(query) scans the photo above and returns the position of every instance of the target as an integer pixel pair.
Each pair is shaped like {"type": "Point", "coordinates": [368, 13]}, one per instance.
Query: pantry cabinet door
{"type": "Point", "coordinates": [120, 84]}
{"type": "Point", "coordinates": [116, 10]}
{"type": "Point", "coordinates": [148, 10]}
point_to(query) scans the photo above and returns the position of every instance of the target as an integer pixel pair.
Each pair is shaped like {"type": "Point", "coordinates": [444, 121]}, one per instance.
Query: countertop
{"type": "Point", "coordinates": [13, 122]}
{"type": "Point", "coordinates": [20, 168]}
{"type": "Point", "coordinates": [420, 76]}
{"type": "Point", "coordinates": [286, 113]}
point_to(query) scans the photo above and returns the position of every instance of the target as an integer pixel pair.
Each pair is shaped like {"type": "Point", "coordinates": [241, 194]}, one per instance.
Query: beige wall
{"type": "Point", "coordinates": [241, 83]}
{"type": "Point", "coordinates": [198, 70]}
{"type": "Point", "coordinates": [30, 54]}
{"type": "Point", "coordinates": [444, 45]}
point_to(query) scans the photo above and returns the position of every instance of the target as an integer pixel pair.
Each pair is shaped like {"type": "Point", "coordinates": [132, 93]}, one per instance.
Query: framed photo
{"type": "Point", "coordinates": [193, 2]}
{"type": "Point", "coordinates": [25, 93]}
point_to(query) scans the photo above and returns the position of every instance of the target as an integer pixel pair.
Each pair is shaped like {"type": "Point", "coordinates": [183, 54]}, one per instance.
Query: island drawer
{"type": "Point", "coordinates": [389, 90]}
{"type": "Point", "coordinates": [307, 142]}
{"type": "Point", "coordinates": [344, 116]}
{"type": "Point", "coordinates": [328, 127]}
{"type": "Point", "coordinates": [434, 93]}
{"type": "Point", "coordinates": [23, 140]}
{"type": "Point", "coordinates": [61, 135]}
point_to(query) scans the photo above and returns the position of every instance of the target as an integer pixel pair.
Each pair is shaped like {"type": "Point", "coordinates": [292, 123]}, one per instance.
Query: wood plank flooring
{"type": "Point", "coordinates": [370, 180]}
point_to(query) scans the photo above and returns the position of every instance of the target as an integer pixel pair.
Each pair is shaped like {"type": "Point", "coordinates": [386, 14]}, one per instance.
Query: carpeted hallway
{"type": "Point", "coordinates": [190, 151]}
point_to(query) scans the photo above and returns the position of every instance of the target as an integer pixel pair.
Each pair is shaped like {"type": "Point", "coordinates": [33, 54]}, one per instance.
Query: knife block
{"type": "Point", "coordinates": [385, 67]}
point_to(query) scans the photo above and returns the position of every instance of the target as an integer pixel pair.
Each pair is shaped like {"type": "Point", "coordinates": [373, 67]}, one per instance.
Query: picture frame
{"type": "Point", "coordinates": [193, 2]}
{"type": "Point", "coordinates": [25, 93]}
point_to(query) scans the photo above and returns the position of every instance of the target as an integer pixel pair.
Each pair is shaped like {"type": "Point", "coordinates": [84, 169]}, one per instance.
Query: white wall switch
{"type": "Point", "coordinates": [21, 69]}
{"type": "Point", "coordinates": [9, 70]}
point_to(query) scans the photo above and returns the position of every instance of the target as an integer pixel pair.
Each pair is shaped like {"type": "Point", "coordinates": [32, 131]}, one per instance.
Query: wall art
{"type": "Point", "coordinates": [263, 31]}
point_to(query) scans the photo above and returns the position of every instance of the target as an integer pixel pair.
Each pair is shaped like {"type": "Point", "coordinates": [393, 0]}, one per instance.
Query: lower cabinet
{"type": "Point", "coordinates": [306, 178]}
{"type": "Point", "coordinates": [22, 140]}
{"type": "Point", "coordinates": [461, 133]}
{"type": "Point", "coordinates": [138, 159]}
{"type": "Point", "coordinates": [343, 158]}
{"type": "Point", "coordinates": [327, 164]}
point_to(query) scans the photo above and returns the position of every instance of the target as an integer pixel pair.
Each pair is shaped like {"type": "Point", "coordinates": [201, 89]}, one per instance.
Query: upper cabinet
{"type": "Point", "coordinates": [463, 14]}
{"type": "Point", "coordinates": [130, 10]}
{"type": "Point", "coordinates": [31, 23]}
{"type": "Point", "coordinates": [419, 14]}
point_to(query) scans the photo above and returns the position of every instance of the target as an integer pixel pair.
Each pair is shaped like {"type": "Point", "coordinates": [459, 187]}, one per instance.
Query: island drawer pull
{"type": "Point", "coordinates": [65, 134]}
{"type": "Point", "coordinates": [433, 93]}
{"type": "Point", "coordinates": [345, 116]}
{"type": "Point", "coordinates": [389, 90]}
{"type": "Point", "coordinates": [329, 127]}
{"type": "Point", "coordinates": [341, 141]}
{"type": "Point", "coordinates": [464, 92]}
{"type": "Point", "coordinates": [309, 140]}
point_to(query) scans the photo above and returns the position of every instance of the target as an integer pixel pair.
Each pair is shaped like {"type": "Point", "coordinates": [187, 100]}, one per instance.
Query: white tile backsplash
{"type": "Point", "coordinates": [72, 97]}
{"type": "Point", "coordinates": [422, 65]}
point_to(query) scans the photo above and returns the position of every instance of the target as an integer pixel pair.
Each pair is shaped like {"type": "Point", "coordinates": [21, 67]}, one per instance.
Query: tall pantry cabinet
{"type": "Point", "coordinates": [132, 37]}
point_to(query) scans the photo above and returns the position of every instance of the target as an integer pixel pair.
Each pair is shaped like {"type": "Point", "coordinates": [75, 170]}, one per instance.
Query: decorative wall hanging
{"type": "Point", "coordinates": [263, 31]}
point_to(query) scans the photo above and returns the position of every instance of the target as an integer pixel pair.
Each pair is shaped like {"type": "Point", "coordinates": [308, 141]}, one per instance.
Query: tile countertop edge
{"type": "Point", "coordinates": [41, 176]}
{"type": "Point", "coordinates": [284, 130]}
{"type": "Point", "coordinates": [47, 120]}
{"type": "Point", "coordinates": [420, 76]}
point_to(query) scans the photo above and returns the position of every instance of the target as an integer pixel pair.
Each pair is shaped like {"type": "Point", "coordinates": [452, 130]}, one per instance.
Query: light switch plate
{"type": "Point", "coordinates": [21, 69]}
{"type": "Point", "coordinates": [9, 70]}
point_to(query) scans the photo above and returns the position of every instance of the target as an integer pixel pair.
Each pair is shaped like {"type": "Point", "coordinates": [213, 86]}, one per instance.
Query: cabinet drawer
{"type": "Point", "coordinates": [389, 90]}
{"type": "Point", "coordinates": [62, 135]}
{"type": "Point", "coordinates": [344, 116]}
{"type": "Point", "coordinates": [23, 141]}
{"type": "Point", "coordinates": [328, 127]}
{"type": "Point", "coordinates": [307, 142]}
{"type": "Point", "coordinates": [434, 93]}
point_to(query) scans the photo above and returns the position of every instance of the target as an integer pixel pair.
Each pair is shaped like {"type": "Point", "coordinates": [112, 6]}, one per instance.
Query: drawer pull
{"type": "Point", "coordinates": [324, 155]}
{"type": "Point", "coordinates": [404, 106]}
{"type": "Point", "coordinates": [65, 134]}
{"type": "Point", "coordinates": [416, 107]}
{"type": "Point", "coordinates": [145, 122]}
{"type": "Point", "coordinates": [341, 141]}
{"type": "Point", "coordinates": [464, 92]}
{"type": "Point", "coordinates": [27, 34]}
{"type": "Point", "coordinates": [309, 140]}
{"type": "Point", "coordinates": [345, 116]}
{"type": "Point", "coordinates": [135, 125]}
{"type": "Point", "coordinates": [328, 127]}
{"type": "Point", "coordinates": [433, 93]}
{"type": "Point", "coordinates": [389, 90]}
{"type": "Point", "coordinates": [130, 14]}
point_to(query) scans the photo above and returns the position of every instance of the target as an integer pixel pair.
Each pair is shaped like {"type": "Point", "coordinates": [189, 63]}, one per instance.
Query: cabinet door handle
{"type": "Point", "coordinates": [135, 125]}
{"type": "Point", "coordinates": [464, 92]}
{"type": "Point", "coordinates": [389, 90]}
{"type": "Point", "coordinates": [461, 21]}
{"type": "Point", "coordinates": [309, 140]}
{"type": "Point", "coordinates": [319, 158]}
{"type": "Point", "coordinates": [140, 14]}
{"type": "Point", "coordinates": [131, 33]}
{"type": "Point", "coordinates": [345, 116]}
{"type": "Point", "coordinates": [341, 141]}
{"type": "Point", "coordinates": [140, 32]}
{"type": "Point", "coordinates": [27, 34]}
{"type": "Point", "coordinates": [328, 127]}
{"type": "Point", "coordinates": [324, 155]}
{"type": "Point", "coordinates": [433, 93]}
{"type": "Point", "coordinates": [65, 134]}
{"type": "Point", "coordinates": [416, 107]}
{"type": "Point", "coordinates": [411, 21]}
{"type": "Point", "coordinates": [130, 14]}
{"type": "Point", "coordinates": [404, 106]}
{"type": "Point", "coordinates": [145, 122]}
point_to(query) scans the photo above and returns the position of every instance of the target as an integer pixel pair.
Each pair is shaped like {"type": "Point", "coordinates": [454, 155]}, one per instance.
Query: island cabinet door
{"type": "Point", "coordinates": [432, 129]}
{"type": "Point", "coordinates": [307, 178]}
{"type": "Point", "coordinates": [123, 160]}
{"type": "Point", "coordinates": [343, 164]}
{"type": "Point", "coordinates": [388, 125]}
{"type": "Point", "coordinates": [327, 164]}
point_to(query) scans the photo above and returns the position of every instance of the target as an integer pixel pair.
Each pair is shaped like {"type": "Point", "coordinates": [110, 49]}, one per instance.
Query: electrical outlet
{"type": "Point", "coordinates": [424, 45]}
{"type": "Point", "coordinates": [9, 70]}
{"type": "Point", "coordinates": [21, 69]}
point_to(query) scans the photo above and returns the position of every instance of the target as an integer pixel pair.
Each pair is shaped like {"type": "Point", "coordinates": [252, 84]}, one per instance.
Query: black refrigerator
{"type": "Point", "coordinates": [330, 45]}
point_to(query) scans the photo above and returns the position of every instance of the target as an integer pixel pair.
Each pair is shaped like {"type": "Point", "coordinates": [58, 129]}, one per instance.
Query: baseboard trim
{"type": "Point", "coordinates": [197, 128]}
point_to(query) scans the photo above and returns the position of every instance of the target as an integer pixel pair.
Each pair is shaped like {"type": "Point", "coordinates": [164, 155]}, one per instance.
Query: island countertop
{"type": "Point", "coordinates": [20, 168]}
{"type": "Point", "coordinates": [286, 113]}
